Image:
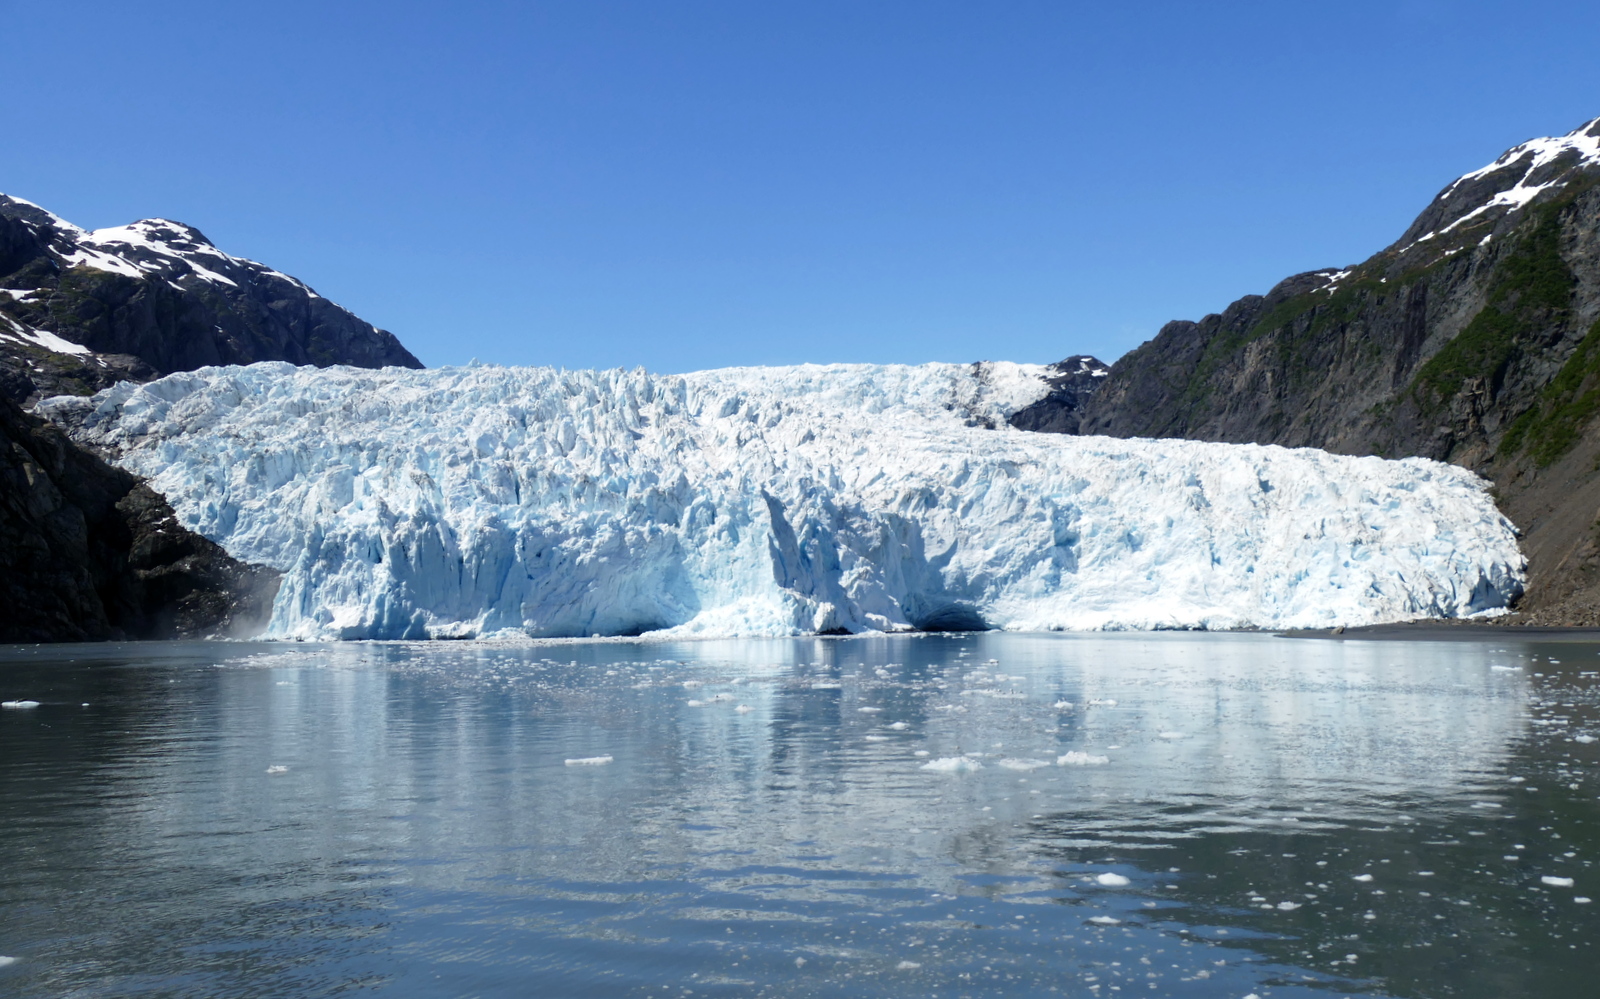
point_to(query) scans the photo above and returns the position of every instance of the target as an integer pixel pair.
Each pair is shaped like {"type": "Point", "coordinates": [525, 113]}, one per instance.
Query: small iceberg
{"type": "Point", "coordinates": [1080, 759]}
{"type": "Point", "coordinates": [953, 765]}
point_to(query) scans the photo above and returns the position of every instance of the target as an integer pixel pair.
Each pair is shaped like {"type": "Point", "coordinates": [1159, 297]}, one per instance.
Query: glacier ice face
{"type": "Point", "coordinates": [471, 501]}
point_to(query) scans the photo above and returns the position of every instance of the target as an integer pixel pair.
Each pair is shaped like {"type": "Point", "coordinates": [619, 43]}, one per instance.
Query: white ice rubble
{"type": "Point", "coordinates": [768, 501]}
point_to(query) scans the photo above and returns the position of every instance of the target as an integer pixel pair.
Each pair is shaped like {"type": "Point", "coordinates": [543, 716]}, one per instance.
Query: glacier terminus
{"type": "Point", "coordinates": [481, 501]}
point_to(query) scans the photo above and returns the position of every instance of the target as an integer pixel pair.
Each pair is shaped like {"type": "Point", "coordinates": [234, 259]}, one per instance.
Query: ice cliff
{"type": "Point", "coordinates": [470, 501]}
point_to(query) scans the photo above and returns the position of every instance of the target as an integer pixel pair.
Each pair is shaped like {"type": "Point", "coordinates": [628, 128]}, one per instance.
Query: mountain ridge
{"type": "Point", "coordinates": [81, 309]}
{"type": "Point", "coordinates": [1473, 338]}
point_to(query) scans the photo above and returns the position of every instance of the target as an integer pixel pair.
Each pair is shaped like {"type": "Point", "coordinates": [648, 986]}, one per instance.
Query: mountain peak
{"type": "Point", "coordinates": [80, 309]}
{"type": "Point", "coordinates": [1476, 202]}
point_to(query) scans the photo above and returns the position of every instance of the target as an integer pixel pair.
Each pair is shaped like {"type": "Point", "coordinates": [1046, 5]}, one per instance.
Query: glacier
{"type": "Point", "coordinates": [481, 501]}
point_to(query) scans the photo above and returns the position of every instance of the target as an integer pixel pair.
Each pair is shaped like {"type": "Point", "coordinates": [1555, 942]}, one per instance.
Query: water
{"type": "Point", "coordinates": [197, 819]}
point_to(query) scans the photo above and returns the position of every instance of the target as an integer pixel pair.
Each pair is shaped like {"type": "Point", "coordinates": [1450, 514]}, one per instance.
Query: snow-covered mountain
{"type": "Point", "coordinates": [81, 309]}
{"type": "Point", "coordinates": [1535, 171]}
{"type": "Point", "coordinates": [470, 501]}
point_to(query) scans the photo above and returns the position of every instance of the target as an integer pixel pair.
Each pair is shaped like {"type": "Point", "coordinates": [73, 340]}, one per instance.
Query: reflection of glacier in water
{"type": "Point", "coordinates": [768, 820]}
{"type": "Point", "coordinates": [775, 501]}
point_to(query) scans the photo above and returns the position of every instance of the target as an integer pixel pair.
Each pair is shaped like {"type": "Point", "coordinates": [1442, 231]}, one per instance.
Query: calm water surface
{"type": "Point", "coordinates": [1104, 815]}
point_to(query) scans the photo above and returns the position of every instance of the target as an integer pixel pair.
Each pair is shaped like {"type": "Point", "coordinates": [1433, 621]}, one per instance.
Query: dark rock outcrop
{"type": "Point", "coordinates": [1072, 382]}
{"type": "Point", "coordinates": [81, 310]}
{"type": "Point", "coordinates": [1474, 339]}
{"type": "Point", "coordinates": [89, 552]}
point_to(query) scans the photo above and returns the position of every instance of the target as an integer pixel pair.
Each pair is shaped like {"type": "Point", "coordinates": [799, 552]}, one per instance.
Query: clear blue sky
{"type": "Point", "coordinates": [684, 184]}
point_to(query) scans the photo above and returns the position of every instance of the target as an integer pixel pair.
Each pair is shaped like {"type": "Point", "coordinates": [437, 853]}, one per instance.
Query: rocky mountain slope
{"type": "Point", "coordinates": [89, 552]}
{"type": "Point", "coordinates": [80, 310]}
{"type": "Point", "coordinates": [1474, 338]}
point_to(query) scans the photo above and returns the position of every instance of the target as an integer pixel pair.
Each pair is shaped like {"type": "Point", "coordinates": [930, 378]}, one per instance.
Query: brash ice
{"type": "Point", "coordinates": [770, 501]}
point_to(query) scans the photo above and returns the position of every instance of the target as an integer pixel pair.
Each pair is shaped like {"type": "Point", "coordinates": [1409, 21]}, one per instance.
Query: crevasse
{"type": "Point", "coordinates": [769, 501]}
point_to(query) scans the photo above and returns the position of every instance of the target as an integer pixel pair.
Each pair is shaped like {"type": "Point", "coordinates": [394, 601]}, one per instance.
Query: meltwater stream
{"type": "Point", "coordinates": [1196, 815]}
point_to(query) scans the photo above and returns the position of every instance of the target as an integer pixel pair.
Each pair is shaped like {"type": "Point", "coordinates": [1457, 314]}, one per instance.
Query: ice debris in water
{"type": "Point", "coordinates": [472, 501]}
{"type": "Point", "coordinates": [907, 965]}
{"type": "Point", "coordinates": [953, 765]}
{"type": "Point", "coordinates": [1555, 882]}
{"type": "Point", "coordinates": [1111, 880]}
{"type": "Point", "coordinates": [6, 960]}
{"type": "Point", "coordinates": [1077, 758]}
{"type": "Point", "coordinates": [589, 761]}
{"type": "Point", "coordinates": [19, 705]}
{"type": "Point", "coordinates": [1105, 920]}
{"type": "Point", "coordinates": [277, 768]}
{"type": "Point", "coordinates": [1023, 765]}
{"type": "Point", "coordinates": [1362, 877]}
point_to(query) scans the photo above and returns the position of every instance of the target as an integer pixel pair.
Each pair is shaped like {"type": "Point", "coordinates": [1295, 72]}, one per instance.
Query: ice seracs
{"type": "Point", "coordinates": [770, 501]}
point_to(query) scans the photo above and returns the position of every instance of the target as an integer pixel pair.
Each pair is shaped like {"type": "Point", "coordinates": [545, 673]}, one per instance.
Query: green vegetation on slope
{"type": "Point", "coordinates": [1552, 425]}
{"type": "Point", "coordinates": [1531, 290]}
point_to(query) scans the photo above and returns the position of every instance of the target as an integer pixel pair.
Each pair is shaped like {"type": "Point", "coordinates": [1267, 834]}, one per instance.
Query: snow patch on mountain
{"type": "Point", "coordinates": [1511, 182]}
{"type": "Point", "coordinates": [763, 501]}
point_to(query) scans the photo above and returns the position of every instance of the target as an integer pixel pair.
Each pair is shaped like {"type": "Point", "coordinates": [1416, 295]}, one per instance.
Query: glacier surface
{"type": "Point", "coordinates": [767, 501]}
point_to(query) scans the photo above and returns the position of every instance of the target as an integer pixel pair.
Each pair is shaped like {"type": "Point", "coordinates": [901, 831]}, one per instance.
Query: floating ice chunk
{"type": "Point", "coordinates": [589, 761]}
{"type": "Point", "coordinates": [869, 711]}
{"type": "Point", "coordinates": [1362, 877]}
{"type": "Point", "coordinates": [1555, 882]}
{"type": "Point", "coordinates": [1074, 758]}
{"type": "Point", "coordinates": [1103, 702]}
{"type": "Point", "coordinates": [11, 960]}
{"type": "Point", "coordinates": [1508, 669]}
{"type": "Point", "coordinates": [691, 684]}
{"type": "Point", "coordinates": [1063, 705]}
{"type": "Point", "coordinates": [1023, 765]}
{"type": "Point", "coordinates": [1172, 735]}
{"type": "Point", "coordinates": [1583, 738]}
{"type": "Point", "coordinates": [19, 705]}
{"type": "Point", "coordinates": [898, 726]}
{"type": "Point", "coordinates": [1582, 899]}
{"type": "Point", "coordinates": [953, 765]}
{"type": "Point", "coordinates": [744, 709]}
{"type": "Point", "coordinates": [826, 685]}
{"type": "Point", "coordinates": [1105, 920]}
{"type": "Point", "coordinates": [721, 698]}
{"type": "Point", "coordinates": [1288, 906]}
{"type": "Point", "coordinates": [1111, 879]}
{"type": "Point", "coordinates": [691, 702]}
{"type": "Point", "coordinates": [277, 768]}
{"type": "Point", "coordinates": [920, 752]}
{"type": "Point", "coordinates": [876, 738]}
{"type": "Point", "coordinates": [907, 966]}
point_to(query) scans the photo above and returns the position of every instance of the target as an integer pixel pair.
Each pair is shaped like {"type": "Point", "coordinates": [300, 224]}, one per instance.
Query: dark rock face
{"type": "Point", "coordinates": [81, 310]}
{"type": "Point", "coordinates": [1474, 339]}
{"type": "Point", "coordinates": [88, 552]}
{"type": "Point", "coordinates": [1071, 382]}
